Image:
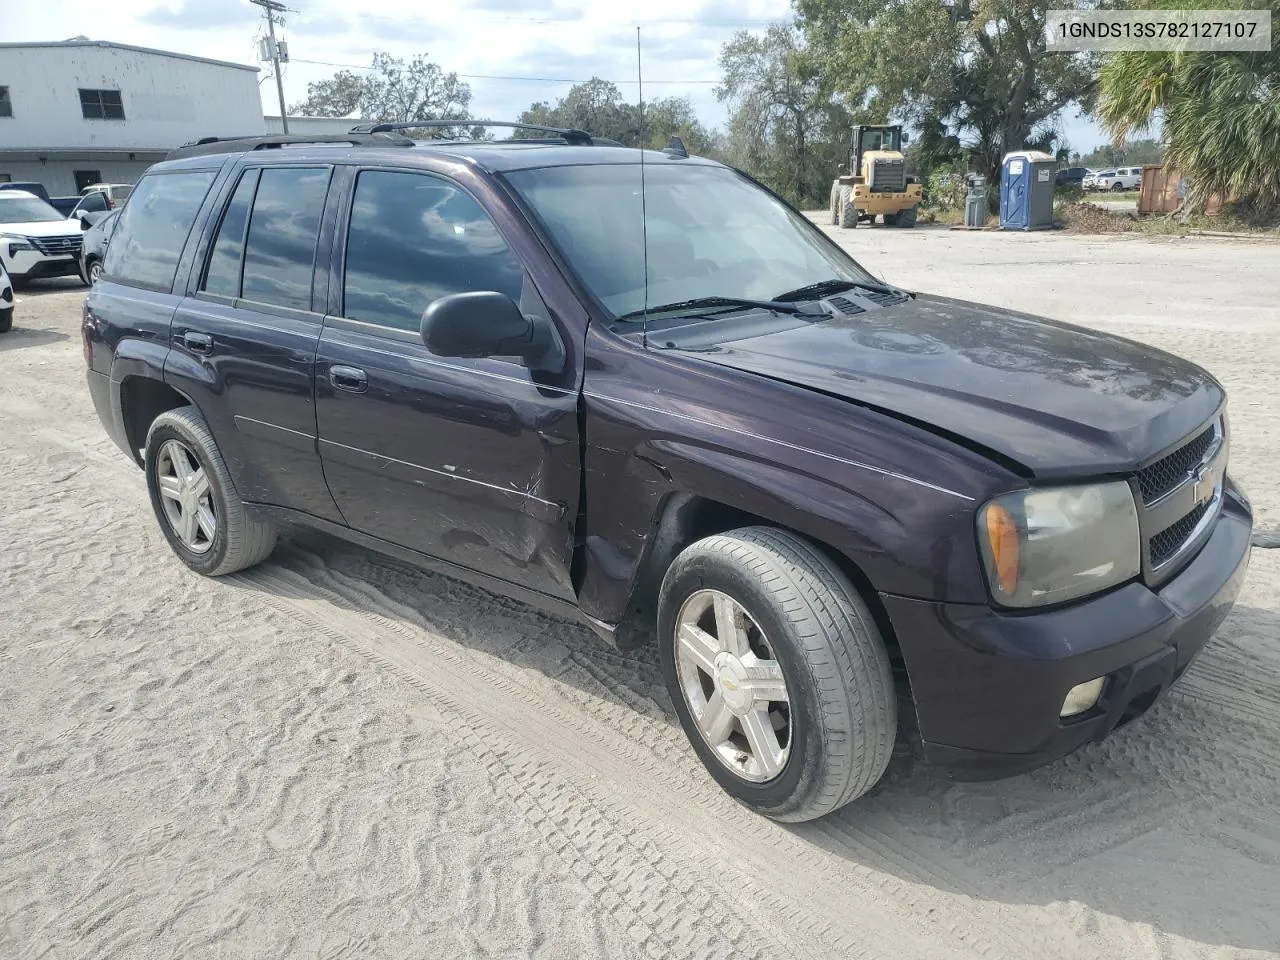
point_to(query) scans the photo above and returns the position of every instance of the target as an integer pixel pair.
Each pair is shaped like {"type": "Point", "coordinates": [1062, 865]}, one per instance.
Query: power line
{"type": "Point", "coordinates": [490, 76]}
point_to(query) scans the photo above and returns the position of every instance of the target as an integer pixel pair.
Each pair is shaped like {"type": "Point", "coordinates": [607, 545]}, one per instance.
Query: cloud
{"type": "Point", "coordinates": [202, 15]}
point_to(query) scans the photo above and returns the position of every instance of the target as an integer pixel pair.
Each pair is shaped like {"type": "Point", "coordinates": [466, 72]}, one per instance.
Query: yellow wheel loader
{"type": "Point", "coordinates": [877, 184]}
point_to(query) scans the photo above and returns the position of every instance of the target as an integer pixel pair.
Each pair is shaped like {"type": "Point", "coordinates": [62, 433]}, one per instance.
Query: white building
{"type": "Point", "coordinates": [312, 126]}
{"type": "Point", "coordinates": [83, 111]}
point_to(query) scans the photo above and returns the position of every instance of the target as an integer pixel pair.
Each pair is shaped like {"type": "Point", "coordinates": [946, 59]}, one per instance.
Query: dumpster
{"type": "Point", "coordinates": [1026, 191]}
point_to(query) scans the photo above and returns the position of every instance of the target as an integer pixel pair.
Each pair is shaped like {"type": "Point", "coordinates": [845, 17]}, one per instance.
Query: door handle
{"type": "Point", "coordinates": [351, 379]}
{"type": "Point", "coordinates": [197, 342]}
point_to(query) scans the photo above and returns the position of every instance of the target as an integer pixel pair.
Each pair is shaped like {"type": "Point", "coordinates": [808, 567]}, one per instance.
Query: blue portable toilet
{"type": "Point", "coordinates": [1026, 191]}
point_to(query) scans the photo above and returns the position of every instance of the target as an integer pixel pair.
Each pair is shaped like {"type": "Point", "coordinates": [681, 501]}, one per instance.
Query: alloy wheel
{"type": "Point", "coordinates": [733, 686]}
{"type": "Point", "coordinates": [186, 496]}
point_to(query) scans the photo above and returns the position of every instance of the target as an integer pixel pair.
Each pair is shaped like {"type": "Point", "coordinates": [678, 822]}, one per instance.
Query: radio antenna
{"type": "Point", "coordinates": [644, 213]}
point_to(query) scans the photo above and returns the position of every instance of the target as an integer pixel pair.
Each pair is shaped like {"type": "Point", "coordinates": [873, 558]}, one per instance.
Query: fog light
{"type": "Point", "coordinates": [1081, 697]}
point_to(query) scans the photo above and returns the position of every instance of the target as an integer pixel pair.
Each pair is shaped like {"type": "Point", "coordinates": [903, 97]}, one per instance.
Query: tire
{"type": "Point", "coordinates": [848, 212]}
{"type": "Point", "coordinates": [905, 218]}
{"type": "Point", "coordinates": [238, 540]}
{"type": "Point", "coordinates": [1117, 187]}
{"type": "Point", "coordinates": [833, 204]}
{"type": "Point", "coordinates": [91, 271]}
{"type": "Point", "coordinates": [6, 320]}
{"type": "Point", "coordinates": [798, 618]}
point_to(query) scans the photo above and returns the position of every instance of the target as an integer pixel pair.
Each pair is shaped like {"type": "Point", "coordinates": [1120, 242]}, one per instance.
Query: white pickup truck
{"type": "Point", "coordinates": [1122, 178]}
{"type": "Point", "coordinates": [35, 239]}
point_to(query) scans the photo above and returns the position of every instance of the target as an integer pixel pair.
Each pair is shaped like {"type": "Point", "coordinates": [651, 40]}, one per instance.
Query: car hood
{"type": "Point", "coordinates": [43, 228]}
{"type": "Point", "coordinates": [1055, 399]}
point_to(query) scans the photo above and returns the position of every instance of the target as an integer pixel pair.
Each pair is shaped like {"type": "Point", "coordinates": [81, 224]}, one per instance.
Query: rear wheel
{"type": "Point", "coordinates": [834, 204]}
{"type": "Point", "coordinates": [903, 218]}
{"type": "Point", "coordinates": [777, 671]}
{"type": "Point", "coordinates": [202, 517]}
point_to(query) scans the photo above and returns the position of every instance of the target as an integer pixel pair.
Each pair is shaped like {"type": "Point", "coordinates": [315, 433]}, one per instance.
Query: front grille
{"type": "Point", "coordinates": [1166, 473]}
{"type": "Point", "coordinates": [57, 246]}
{"type": "Point", "coordinates": [888, 175]}
{"type": "Point", "coordinates": [1169, 541]}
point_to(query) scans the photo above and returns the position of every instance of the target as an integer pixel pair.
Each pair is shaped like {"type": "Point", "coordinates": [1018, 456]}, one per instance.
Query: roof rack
{"type": "Point", "coordinates": [576, 137]}
{"type": "Point", "coordinates": [214, 145]}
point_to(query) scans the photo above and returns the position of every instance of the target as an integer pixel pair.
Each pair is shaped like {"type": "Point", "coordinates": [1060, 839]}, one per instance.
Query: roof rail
{"type": "Point", "coordinates": [214, 145]}
{"type": "Point", "coordinates": [569, 135]}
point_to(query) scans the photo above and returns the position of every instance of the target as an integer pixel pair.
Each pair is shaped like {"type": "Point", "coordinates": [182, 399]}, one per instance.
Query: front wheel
{"type": "Point", "coordinates": [778, 673]}
{"type": "Point", "coordinates": [6, 320]}
{"type": "Point", "coordinates": [1117, 187]}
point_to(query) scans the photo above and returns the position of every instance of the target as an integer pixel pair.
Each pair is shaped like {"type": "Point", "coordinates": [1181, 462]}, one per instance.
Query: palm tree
{"type": "Point", "coordinates": [1220, 114]}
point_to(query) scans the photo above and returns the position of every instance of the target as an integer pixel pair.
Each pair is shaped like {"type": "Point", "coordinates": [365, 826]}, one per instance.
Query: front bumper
{"type": "Point", "coordinates": [988, 685]}
{"type": "Point", "coordinates": [30, 264]}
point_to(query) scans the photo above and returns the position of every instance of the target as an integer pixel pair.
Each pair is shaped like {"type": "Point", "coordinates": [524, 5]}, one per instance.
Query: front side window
{"type": "Point", "coordinates": [93, 200]}
{"type": "Point", "coordinates": [711, 233]}
{"type": "Point", "coordinates": [280, 250]}
{"type": "Point", "coordinates": [153, 228]}
{"type": "Point", "coordinates": [101, 104]}
{"type": "Point", "coordinates": [413, 239]}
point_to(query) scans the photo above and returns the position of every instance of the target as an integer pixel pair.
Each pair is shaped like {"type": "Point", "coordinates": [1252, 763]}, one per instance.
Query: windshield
{"type": "Point", "coordinates": [26, 210]}
{"type": "Point", "coordinates": [712, 233]}
{"type": "Point", "coordinates": [880, 138]}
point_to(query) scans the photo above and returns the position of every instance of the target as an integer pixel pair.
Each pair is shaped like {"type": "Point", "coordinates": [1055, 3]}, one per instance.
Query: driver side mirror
{"type": "Point", "coordinates": [489, 324]}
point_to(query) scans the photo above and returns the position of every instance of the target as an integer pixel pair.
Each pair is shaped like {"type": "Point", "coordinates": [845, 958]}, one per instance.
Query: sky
{"type": "Point", "coordinates": [547, 43]}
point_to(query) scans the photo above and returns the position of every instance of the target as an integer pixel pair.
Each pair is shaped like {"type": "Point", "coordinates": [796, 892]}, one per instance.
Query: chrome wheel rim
{"type": "Point", "coordinates": [186, 496]}
{"type": "Point", "coordinates": [733, 686]}
{"type": "Point", "coordinates": [95, 271]}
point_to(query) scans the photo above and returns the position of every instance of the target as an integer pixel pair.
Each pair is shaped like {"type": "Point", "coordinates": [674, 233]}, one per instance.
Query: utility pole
{"type": "Point", "coordinates": [270, 8]}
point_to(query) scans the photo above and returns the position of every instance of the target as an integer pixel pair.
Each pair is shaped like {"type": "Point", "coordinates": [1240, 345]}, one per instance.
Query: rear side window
{"type": "Point", "coordinates": [280, 250]}
{"type": "Point", "coordinates": [413, 239]}
{"type": "Point", "coordinates": [223, 275]}
{"type": "Point", "coordinates": [153, 228]}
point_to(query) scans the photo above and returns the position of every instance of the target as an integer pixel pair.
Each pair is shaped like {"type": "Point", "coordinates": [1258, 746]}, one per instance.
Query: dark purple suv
{"type": "Point", "coordinates": [706, 427]}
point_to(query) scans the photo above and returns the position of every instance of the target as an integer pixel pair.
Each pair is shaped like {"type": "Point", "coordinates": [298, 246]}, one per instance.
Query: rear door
{"type": "Point", "coordinates": [473, 461]}
{"type": "Point", "coordinates": [244, 341]}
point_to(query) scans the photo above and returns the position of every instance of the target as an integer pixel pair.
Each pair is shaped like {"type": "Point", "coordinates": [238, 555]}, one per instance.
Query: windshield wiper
{"type": "Point", "coordinates": [827, 288]}
{"type": "Point", "coordinates": [701, 303]}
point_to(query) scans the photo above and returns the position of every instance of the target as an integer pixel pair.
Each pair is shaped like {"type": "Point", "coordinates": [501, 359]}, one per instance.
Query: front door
{"type": "Point", "coordinates": [471, 461]}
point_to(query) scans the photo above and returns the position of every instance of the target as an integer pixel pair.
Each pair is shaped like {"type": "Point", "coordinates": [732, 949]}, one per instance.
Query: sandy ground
{"type": "Point", "coordinates": [336, 755]}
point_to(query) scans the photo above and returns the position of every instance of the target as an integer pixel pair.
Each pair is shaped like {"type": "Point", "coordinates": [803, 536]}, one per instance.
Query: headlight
{"type": "Point", "coordinates": [1047, 546]}
{"type": "Point", "coordinates": [15, 243]}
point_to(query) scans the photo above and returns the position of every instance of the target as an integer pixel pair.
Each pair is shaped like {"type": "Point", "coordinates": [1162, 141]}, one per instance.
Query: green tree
{"type": "Point", "coordinates": [597, 106]}
{"type": "Point", "coordinates": [785, 127]}
{"type": "Point", "coordinates": [976, 69]}
{"type": "Point", "coordinates": [393, 91]}
{"type": "Point", "coordinates": [1219, 114]}
{"type": "Point", "coordinates": [1122, 154]}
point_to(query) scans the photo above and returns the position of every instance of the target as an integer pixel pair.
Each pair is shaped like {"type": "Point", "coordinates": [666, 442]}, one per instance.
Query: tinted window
{"type": "Point", "coordinates": [153, 228]}
{"type": "Point", "coordinates": [281, 251]}
{"type": "Point", "coordinates": [97, 200]}
{"type": "Point", "coordinates": [414, 239]}
{"type": "Point", "coordinates": [223, 275]}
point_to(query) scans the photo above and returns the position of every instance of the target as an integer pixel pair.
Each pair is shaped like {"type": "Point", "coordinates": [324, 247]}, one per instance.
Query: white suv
{"type": "Point", "coordinates": [1123, 178]}
{"type": "Point", "coordinates": [35, 239]}
{"type": "Point", "coordinates": [6, 301]}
